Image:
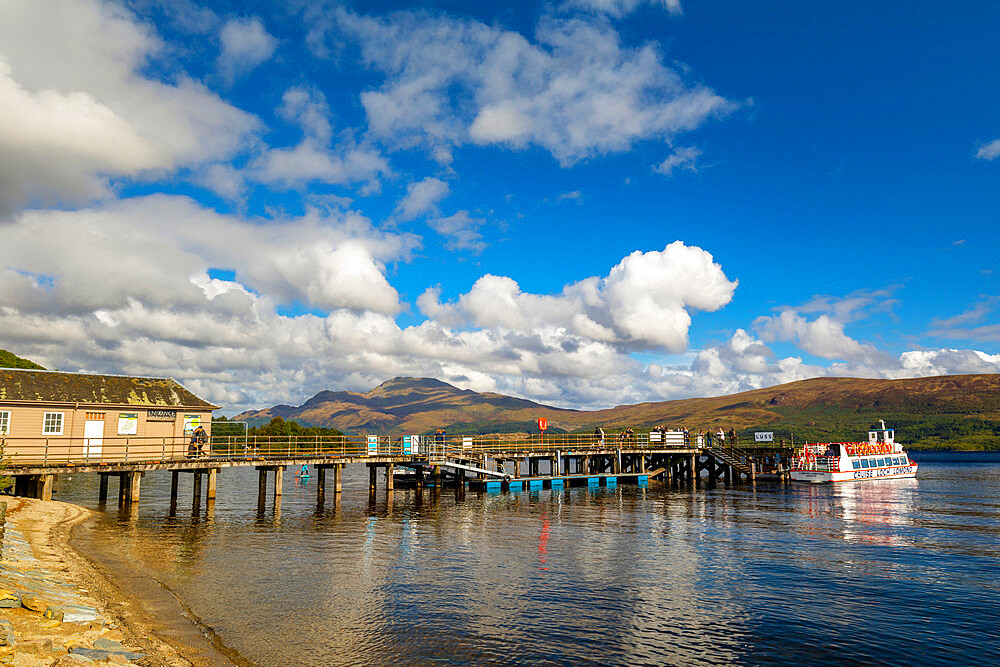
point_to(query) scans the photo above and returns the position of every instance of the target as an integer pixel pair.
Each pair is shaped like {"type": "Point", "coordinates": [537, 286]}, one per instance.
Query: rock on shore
{"type": "Point", "coordinates": [48, 618]}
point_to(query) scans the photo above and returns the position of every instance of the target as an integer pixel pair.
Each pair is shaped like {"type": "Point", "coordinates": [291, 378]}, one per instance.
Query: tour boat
{"type": "Point", "coordinates": [879, 458]}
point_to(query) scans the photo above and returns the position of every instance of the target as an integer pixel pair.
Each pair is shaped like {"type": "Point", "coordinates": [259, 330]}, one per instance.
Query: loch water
{"type": "Point", "coordinates": [894, 572]}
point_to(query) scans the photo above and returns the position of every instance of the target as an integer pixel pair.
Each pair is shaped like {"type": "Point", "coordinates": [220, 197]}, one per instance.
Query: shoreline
{"type": "Point", "coordinates": [140, 611]}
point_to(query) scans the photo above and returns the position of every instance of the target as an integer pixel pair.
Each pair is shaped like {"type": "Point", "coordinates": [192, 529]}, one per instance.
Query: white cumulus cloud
{"type": "Point", "coordinates": [244, 45]}
{"type": "Point", "coordinates": [422, 197]}
{"type": "Point", "coordinates": [75, 108]}
{"type": "Point", "coordinates": [573, 89]}
{"type": "Point", "coordinates": [619, 8]}
{"type": "Point", "coordinates": [989, 151]}
{"type": "Point", "coordinates": [682, 158]}
{"type": "Point", "coordinates": [315, 159]}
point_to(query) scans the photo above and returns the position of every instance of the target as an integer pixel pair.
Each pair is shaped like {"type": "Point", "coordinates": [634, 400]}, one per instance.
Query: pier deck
{"type": "Point", "coordinates": [489, 462]}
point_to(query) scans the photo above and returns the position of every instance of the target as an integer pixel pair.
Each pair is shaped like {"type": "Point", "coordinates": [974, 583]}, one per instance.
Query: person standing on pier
{"type": "Point", "coordinates": [599, 436]}
{"type": "Point", "coordinates": [198, 439]}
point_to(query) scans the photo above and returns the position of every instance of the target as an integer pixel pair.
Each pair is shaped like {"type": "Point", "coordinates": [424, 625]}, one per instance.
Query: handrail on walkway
{"type": "Point", "coordinates": [135, 449]}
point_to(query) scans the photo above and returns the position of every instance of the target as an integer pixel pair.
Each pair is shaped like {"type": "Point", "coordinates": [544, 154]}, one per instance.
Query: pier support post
{"type": "Point", "coordinates": [261, 488]}
{"type": "Point", "coordinates": [693, 469]}
{"type": "Point", "coordinates": [196, 489]}
{"type": "Point", "coordinates": [174, 475]}
{"type": "Point", "coordinates": [279, 472]}
{"type": "Point", "coordinates": [728, 474]}
{"type": "Point", "coordinates": [46, 487]}
{"type": "Point", "coordinates": [618, 462]}
{"type": "Point", "coordinates": [437, 476]}
{"type": "Point", "coordinates": [133, 487]}
{"type": "Point", "coordinates": [372, 480]}
{"type": "Point", "coordinates": [337, 470]}
{"type": "Point", "coordinates": [122, 490]}
{"type": "Point", "coordinates": [320, 483]}
{"type": "Point", "coordinates": [212, 479]}
{"type": "Point", "coordinates": [389, 474]}
{"type": "Point", "coordinates": [420, 477]}
{"type": "Point", "coordinates": [102, 493]}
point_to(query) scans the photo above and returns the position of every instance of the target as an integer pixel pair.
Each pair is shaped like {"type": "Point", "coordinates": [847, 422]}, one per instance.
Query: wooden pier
{"type": "Point", "coordinates": [492, 463]}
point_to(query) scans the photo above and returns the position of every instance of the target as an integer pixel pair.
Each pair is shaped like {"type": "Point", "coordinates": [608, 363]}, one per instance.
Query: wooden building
{"type": "Point", "coordinates": [54, 417]}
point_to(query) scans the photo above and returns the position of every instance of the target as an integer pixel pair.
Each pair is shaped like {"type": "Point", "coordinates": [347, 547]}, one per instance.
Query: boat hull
{"type": "Point", "coordinates": [869, 474]}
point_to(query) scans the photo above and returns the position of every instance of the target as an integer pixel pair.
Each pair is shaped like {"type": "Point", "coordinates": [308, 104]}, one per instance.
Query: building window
{"type": "Point", "coordinates": [53, 423]}
{"type": "Point", "coordinates": [4, 422]}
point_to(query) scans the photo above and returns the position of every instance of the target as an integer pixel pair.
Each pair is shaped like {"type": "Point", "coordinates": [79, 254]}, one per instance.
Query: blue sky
{"type": "Point", "coordinates": [585, 203]}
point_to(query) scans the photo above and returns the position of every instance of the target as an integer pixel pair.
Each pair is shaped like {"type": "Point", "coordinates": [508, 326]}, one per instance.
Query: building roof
{"type": "Point", "coordinates": [17, 384]}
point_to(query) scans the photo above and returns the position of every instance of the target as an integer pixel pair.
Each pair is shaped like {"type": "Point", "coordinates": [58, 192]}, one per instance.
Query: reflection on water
{"type": "Point", "coordinates": [896, 571]}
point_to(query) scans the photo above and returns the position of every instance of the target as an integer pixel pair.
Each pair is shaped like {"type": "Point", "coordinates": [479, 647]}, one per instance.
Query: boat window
{"type": "Point", "coordinates": [864, 463]}
{"type": "Point", "coordinates": [880, 462]}
{"type": "Point", "coordinates": [856, 463]}
{"type": "Point", "coordinates": [895, 460]}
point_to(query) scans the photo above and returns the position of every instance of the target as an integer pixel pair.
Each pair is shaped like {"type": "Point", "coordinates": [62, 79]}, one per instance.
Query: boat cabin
{"type": "Point", "coordinates": [881, 435]}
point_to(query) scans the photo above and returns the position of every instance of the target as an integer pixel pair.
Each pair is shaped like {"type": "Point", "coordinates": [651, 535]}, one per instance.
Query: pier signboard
{"type": "Point", "coordinates": [372, 444]}
{"type": "Point", "coordinates": [543, 423]}
{"type": "Point", "coordinates": [763, 436]}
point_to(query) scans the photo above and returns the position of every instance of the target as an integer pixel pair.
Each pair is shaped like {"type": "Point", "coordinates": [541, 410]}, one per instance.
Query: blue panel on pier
{"type": "Point", "coordinates": [557, 483]}
{"type": "Point", "coordinates": [611, 481]}
{"type": "Point", "coordinates": [593, 481]}
{"type": "Point", "coordinates": [534, 484]}
{"type": "Point", "coordinates": [643, 480]}
{"type": "Point", "coordinates": [494, 486]}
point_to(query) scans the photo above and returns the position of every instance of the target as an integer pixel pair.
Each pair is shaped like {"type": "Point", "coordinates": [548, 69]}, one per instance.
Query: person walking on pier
{"type": "Point", "coordinates": [599, 436]}
{"type": "Point", "coordinates": [198, 439]}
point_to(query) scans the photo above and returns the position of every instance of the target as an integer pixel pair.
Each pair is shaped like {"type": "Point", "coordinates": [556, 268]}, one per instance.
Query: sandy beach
{"type": "Point", "coordinates": [47, 554]}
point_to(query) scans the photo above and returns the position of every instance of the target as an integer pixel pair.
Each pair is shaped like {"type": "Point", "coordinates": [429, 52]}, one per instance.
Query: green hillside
{"type": "Point", "coordinates": [946, 412]}
{"type": "Point", "coordinates": [9, 360]}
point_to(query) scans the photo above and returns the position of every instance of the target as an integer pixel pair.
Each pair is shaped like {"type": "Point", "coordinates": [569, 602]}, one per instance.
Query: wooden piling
{"type": "Point", "coordinates": [174, 475]}
{"type": "Point", "coordinates": [337, 477]}
{"type": "Point", "coordinates": [261, 487]}
{"type": "Point", "coordinates": [46, 485]}
{"type": "Point", "coordinates": [102, 493]}
{"type": "Point", "coordinates": [372, 480]}
{"type": "Point", "coordinates": [133, 487]}
{"type": "Point", "coordinates": [389, 474]}
{"type": "Point", "coordinates": [278, 479]}
{"type": "Point", "coordinates": [196, 489]}
{"type": "Point", "coordinates": [212, 480]}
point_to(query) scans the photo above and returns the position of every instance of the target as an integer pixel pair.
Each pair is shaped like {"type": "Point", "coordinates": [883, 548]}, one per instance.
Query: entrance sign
{"type": "Point", "coordinates": [763, 436]}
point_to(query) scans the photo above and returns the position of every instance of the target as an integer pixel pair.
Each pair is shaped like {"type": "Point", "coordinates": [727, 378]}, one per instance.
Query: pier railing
{"type": "Point", "coordinates": [58, 451]}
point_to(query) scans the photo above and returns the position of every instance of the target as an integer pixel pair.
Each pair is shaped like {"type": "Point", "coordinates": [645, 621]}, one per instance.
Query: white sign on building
{"type": "Point", "coordinates": [763, 436]}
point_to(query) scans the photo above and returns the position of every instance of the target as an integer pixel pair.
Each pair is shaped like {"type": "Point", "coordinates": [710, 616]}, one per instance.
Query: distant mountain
{"type": "Point", "coordinates": [10, 360]}
{"type": "Point", "coordinates": [958, 411]}
{"type": "Point", "coordinates": [410, 405]}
